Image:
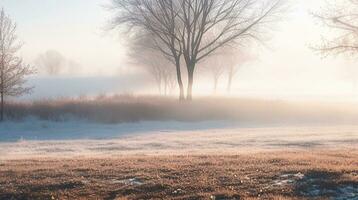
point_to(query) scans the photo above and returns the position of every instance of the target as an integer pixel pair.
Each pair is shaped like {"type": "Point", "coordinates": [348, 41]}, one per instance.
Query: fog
{"type": "Point", "coordinates": [178, 99]}
{"type": "Point", "coordinates": [285, 67]}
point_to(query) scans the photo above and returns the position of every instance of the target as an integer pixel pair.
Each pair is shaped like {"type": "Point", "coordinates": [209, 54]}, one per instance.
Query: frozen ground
{"type": "Point", "coordinates": [32, 129]}
{"type": "Point", "coordinates": [177, 160]}
{"type": "Point", "coordinates": [68, 139]}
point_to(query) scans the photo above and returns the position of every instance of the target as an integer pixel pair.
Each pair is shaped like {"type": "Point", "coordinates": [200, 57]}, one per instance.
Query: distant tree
{"type": "Point", "coordinates": [341, 17]}
{"type": "Point", "coordinates": [73, 67]}
{"type": "Point", "coordinates": [226, 61]}
{"type": "Point", "coordinates": [158, 18]}
{"type": "Point", "coordinates": [51, 62]}
{"type": "Point", "coordinates": [210, 25]}
{"type": "Point", "coordinates": [12, 68]}
{"type": "Point", "coordinates": [153, 62]}
{"type": "Point", "coordinates": [215, 66]}
{"type": "Point", "coordinates": [193, 30]}
{"type": "Point", "coordinates": [235, 60]}
{"type": "Point", "coordinates": [170, 82]}
{"type": "Point", "coordinates": [159, 68]}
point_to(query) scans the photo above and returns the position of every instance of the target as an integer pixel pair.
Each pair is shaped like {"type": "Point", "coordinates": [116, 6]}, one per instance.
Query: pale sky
{"type": "Point", "coordinates": [75, 28]}
{"type": "Point", "coordinates": [287, 66]}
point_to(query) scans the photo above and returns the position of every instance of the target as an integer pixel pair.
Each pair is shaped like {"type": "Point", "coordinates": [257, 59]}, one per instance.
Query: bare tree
{"type": "Point", "coordinates": [155, 63]}
{"type": "Point", "coordinates": [73, 66]}
{"type": "Point", "coordinates": [232, 71]}
{"type": "Point", "coordinates": [159, 68]}
{"type": "Point", "coordinates": [51, 62]}
{"type": "Point", "coordinates": [196, 29]}
{"type": "Point", "coordinates": [209, 25]}
{"type": "Point", "coordinates": [226, 61]}
{"type": "Point", "coordinates": [159, 19]}
{"type": "Point", "coordinates": [235, 60]}
{"type": "Point", "coordinates": [215, 66]}
{"type": "Point", "coordinates": [169, 80]}
{"type": "Point", "coordinates": [12, 68]}
{"type": "Point", "coordinates": [341, 17]}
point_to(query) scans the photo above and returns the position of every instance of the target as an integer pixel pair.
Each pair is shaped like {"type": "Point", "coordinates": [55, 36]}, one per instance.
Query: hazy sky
{"type": "Point", "coordinates": [286, 66]}
{"type": "Point", "coordinates": [75, 28]}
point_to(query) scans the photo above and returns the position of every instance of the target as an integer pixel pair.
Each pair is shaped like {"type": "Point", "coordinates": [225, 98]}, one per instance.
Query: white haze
{"type": "Point", "coordinates": [286, 67]}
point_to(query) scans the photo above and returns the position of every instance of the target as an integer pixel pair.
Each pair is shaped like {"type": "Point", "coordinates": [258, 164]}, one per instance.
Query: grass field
{"type": "Point", "coordinates": [229, 163]}
{"type": "Point", "coordinates": [277, 175]}
{"type": "Point", "coordinates": [157, 148]}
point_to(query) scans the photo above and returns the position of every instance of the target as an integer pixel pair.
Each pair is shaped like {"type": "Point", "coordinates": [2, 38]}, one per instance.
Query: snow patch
{"type": "Point", "coordinates": [131, 181]}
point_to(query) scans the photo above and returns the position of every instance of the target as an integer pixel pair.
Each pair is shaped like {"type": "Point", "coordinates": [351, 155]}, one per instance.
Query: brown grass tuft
{"type": "Point", "coordinates": [128, 108]}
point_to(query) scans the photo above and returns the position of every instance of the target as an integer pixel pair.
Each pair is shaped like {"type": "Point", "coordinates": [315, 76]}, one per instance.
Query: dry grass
{"type": "Point", "coordinates": [224, 141]}
{"type": "Point", "coordinates": [255, 176]}
{"type": "Point", "coordinates": [127, 108]}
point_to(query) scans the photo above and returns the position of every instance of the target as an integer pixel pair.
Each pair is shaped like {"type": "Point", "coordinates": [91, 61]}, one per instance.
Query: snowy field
{"type": "Point", "coordinates": [33, 138]}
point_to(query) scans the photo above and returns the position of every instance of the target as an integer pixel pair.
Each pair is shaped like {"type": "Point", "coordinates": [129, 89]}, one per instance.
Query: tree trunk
{"type": "Point", "coordinates": [190, 83]}
{"type": "Point", "coordinates": [180, 81]}
{"type": "Point", "coordinates": [165, 88]}
{"type": "Point", "coordinates": [215, 85]}
{"type": "Point", "coordinates": [2, 107]}
{"type": "Point", "coordinates": [159, 87]}
{"type": "Point", "coordinates": [2, 92]}
{"type": "Point", "coordinates": [229, 83]}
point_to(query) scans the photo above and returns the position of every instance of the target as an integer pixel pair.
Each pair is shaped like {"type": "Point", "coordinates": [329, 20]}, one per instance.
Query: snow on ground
{"type": "Point", "coordinates": [34, 139]}
{"type": "Point", "coordinates": [33, 129]}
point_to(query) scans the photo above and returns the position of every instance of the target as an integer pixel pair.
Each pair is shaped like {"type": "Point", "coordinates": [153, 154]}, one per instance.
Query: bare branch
{"type": "Point", "coordinates": [342, 18]}
{"type": "Point", "coordinates": [12, 68]}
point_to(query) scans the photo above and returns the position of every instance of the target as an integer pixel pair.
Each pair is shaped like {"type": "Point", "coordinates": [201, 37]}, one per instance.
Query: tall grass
{"type": "Point", "coordinates": [129, 108]}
